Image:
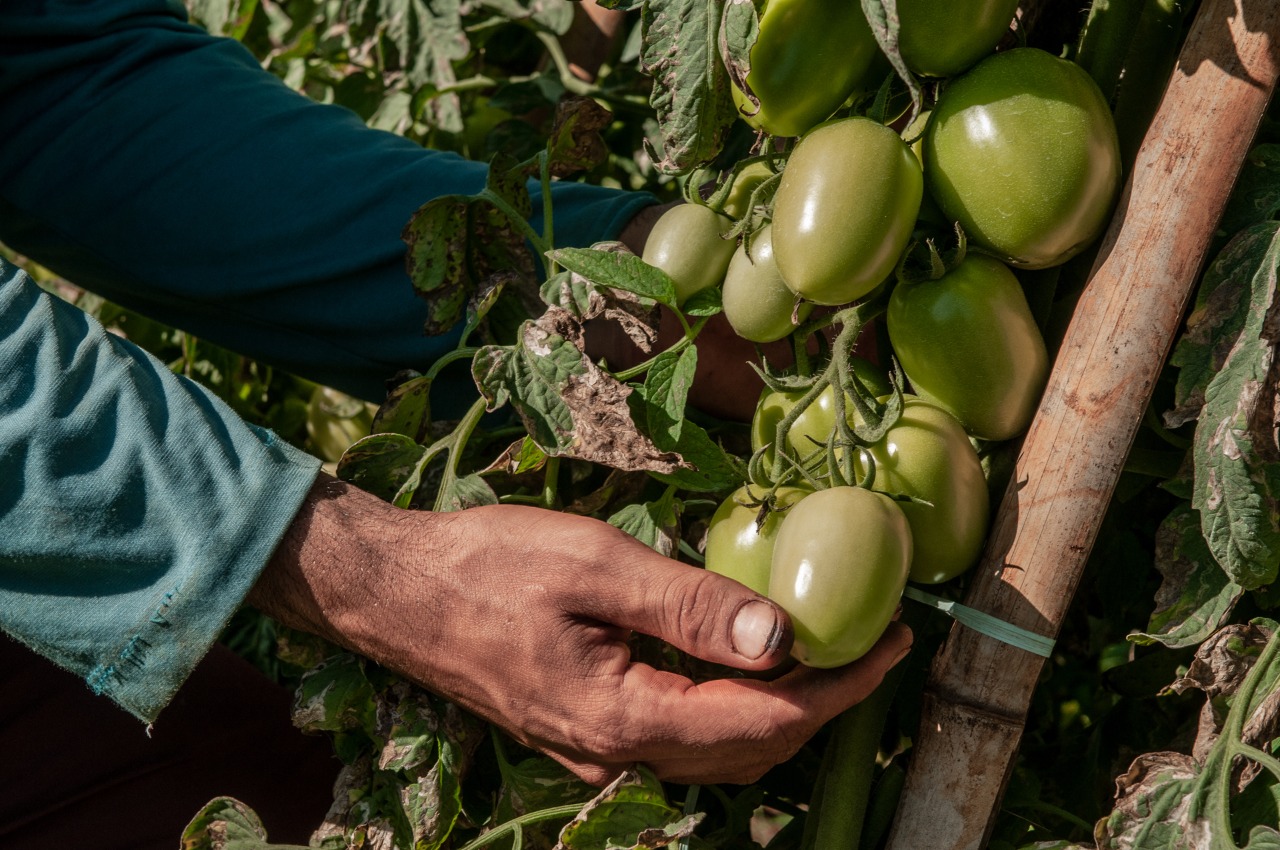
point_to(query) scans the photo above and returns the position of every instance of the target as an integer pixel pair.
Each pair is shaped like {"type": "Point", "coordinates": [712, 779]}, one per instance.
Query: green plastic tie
{"type": "Point", "coordinates": [985, 623]}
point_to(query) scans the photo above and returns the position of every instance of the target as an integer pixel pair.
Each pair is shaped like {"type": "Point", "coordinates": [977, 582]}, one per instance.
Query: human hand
{"type": "Point", "coordinates": [521, 615]}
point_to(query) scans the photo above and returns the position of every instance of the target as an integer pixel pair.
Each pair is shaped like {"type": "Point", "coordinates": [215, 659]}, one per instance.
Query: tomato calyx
{"type": "Point", "coordinates": [924, 260]}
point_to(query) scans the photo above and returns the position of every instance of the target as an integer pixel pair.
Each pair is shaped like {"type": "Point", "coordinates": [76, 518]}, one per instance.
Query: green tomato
{"type": "Point", "coordinates": [736, 547]}
{"type": "Point", "coordinates": [1022, 151]}
{"type": "Point", "coordinates": [809, 57]}
{"type": "Point", "coordinates": [816, 422]}
{"type": "Point", "coordinates": [757, 303]}
{"type": "Point", "coordinates": [940, 38]}
{"type": "Point", "coordinates": [927, 455]}
{"type": "Point", "coordinates": [840, 563]}
{"type": "Point", "coordinates": [738, 202]}
{"type": "Point", "coordinates": [845, 209]}
{"type": "Point", "coordinates": [968, 343]}
{"type": "Point", "coordinates": [687, 242]}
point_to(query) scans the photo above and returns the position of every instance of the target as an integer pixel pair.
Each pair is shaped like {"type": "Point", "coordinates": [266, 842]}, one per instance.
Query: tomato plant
{"type": "Point", "coordinates": [1022, 151]}
{"type": "Point", "coordinates": [840, 562]}
{"type": "Point", "coordinates": [739, 542]}
{"type": "Point", "coordinates": [757, 302]}
{"type": "Point", "coordinates": [845, 209]}
{"type": "Point", "coordinates": [807, 60]}
{"type": "Point", "coordinates": [940, 38]}
{"type": "Point", "coordinates": [969, 344]}
{"type": "Point", "coordinates": [926, 455]}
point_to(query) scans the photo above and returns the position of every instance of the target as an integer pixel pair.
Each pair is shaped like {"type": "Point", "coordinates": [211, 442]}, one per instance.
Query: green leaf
{"type": "Point", "coordinates": [620, 271]}
{"type": "Point", "coordinates": [386, 465]}
{"type": "Point", "coordinates": [704, 302]}
{"type": "Point", "coordinates": [885, 25]}
{"type": "Point", "coordinates": [585, 300]}
{"type": "Point", "coordinates": [690, 84]}
{"type": "Point", "coordinates": [552, 15]}
{"type": "Point", "coordinates": [1237, 475]}
{"type": "Point", "coordinates": [630, 814]}
{"type": "Point", "coordinates": [470, 491]}
{"type": "Point", "coordinates": [227, 824]}
{"type": "Point", "coordinates": [666, 391]}
{"type": "Point", "coordinates": [230, 18]}
{"type": "Point", "coordinates": [1196, 597]}
{"type": "Point", "coordinates": [568, 405]}
{"type": "Point", "coordinates": [655, 524]}
{"type": "Point", "coordinates": [713, 470]}
{"type": "Point", "coordinates": [1257, 195]}
{"type": "Point", "coordinates": [464, 247]}
{"type": "Point", "coordinates": [520, 457]}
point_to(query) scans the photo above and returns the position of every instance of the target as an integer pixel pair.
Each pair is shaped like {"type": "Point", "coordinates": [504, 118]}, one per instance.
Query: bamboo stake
{"type": "Point", "coordinates": [979, 690]}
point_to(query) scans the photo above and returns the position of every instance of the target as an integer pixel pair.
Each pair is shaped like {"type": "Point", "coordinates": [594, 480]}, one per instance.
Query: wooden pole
{"type": "Point", "coordinates": [976, 701]}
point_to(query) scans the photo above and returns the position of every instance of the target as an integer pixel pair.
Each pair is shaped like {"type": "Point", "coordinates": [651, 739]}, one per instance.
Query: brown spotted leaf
{"type": "Point", "coordinates": [569, 406]}
{"type": "Point", "coordinates": [576, 144]}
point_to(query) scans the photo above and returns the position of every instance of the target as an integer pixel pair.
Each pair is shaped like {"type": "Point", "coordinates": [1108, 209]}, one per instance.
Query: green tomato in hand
{"type": "Point", "coordinates": [687, 242]}
{"type": "Point", "coordinates": [757, 302]}
{"type": "Point", "coordinates": [736, 548]}
{"type": "Point", "coordinates": [840, 563]}
{"type": "Point", "coordinates": [845, 209]}
{"type": "Point", "coordinates": [969, 344]}
{"type": "Point", "coordinates": [1022, 151]}
{"type": "Point", "coordinates": [809, 57]}
{"type": "Point", "coordinates": [927, 455]}
{"type": "Point", "coordinates": [940, 38]}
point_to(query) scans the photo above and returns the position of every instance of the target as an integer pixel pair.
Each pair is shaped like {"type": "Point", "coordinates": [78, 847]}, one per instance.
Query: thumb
{"type": "Point", "coordinates": [701, 612]}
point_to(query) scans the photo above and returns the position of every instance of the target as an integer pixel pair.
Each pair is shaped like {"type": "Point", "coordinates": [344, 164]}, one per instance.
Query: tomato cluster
{"type": "Point", "coordinates": [860, 482]}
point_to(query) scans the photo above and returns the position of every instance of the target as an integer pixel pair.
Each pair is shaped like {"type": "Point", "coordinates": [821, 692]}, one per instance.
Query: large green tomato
{"type": "Point", "coordinates": [816, 422]}
{"type": "Point", "coordinates": [809, 57]}
{"type": "Point", "coordinates": [845, 209]}
{"type": "Point", "coordinates": [840, 562]}
{"type": "Point", "coordinates": [968, 343]}
{"type": "Point", "coordinates": [927, 455]}
{"type": "Point", "coordinates": [687, 242]}
{"type": "Point", "coordinates": [1022, 151]}
{"type": "Point", "coordinates": [757, 303]}
{"type": "Point", "coordinates": [739, 550]}
{"type": "Point", "coordinates": [940, 38]}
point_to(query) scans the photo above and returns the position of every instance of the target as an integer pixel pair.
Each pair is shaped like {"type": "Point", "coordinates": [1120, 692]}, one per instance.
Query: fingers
{"type": "Point", "coordinates": [729, 730]}
{"type": "Point", "coordinates": [703, 613]}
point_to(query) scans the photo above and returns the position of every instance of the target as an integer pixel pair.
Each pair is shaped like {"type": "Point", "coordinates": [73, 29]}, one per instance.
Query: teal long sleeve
{"type": "Point", "coordinates": [164, 169]}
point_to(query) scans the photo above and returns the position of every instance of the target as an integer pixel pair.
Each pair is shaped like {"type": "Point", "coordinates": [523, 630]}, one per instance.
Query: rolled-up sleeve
{"type": "Point", "coordinates": [136, 509]}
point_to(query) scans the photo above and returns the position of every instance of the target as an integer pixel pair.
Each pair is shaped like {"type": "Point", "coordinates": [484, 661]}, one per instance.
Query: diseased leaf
{"type": "Point", "coordinates": [690, 84]}
{"type": "Point", "coordinates": [585, 300]}
{"type": "Point", "coordinates": [537, 783]}
{"type": "Point", "coordinates": [568, 405]}
{"type": "Point", "coordinates": [1223, 303]}
{"type": "Point", "coordinates": [575, 143]}
{"type": "Point", "coordinates": [1196, 597]}
{"type": "Point", "coordinates": [739, 29]}
{"type": "Point", "coordinates": [334, 696]}
{"type": "Point", "coordinates": [1237, 459]}
{"type": "Point", "coordinates": [520, 457]}
{"type": "Point", "coordinates": [385, 465]}
{"type": "Point", "coordinates": [629, 814]}
{"type": "Point", "coordinates": [618, 270]}
{"type": "Point", "coordinates": [228, 824]}
{"type": "Point", "coordinates": [1152, 801]}
{"type": "Point", "coordinates": [406, 410]}
{"type": "Point", "coordinates": [655, 524]}
{"type": "Point", "coordinates": [463, 247]}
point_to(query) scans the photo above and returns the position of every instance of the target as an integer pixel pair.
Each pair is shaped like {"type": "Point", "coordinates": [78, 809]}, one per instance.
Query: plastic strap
{"type": "Point", "coordinates": [985, 623]}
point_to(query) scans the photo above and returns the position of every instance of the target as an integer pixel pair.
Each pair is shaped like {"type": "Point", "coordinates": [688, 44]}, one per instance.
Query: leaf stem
{"type": "Point", "coordinates": [551, 482]}
{"type": "Point", "coordinates": [691, 333]}
{"type": "Point", "coordinates": [454, 443]}
{"type": "Point", "coordinates": [520, 822]}
{"type": "Point", "coordinates": [460, 353]}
